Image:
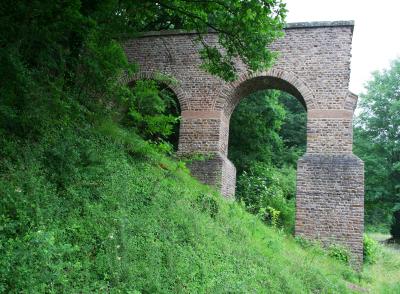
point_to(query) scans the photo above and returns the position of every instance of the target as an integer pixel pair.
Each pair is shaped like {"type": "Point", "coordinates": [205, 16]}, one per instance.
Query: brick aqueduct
{"type": "Point", "coordinates": [314, 66]}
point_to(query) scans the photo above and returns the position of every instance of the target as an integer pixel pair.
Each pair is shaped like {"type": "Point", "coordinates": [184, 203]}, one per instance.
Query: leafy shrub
{"type": "Point", "coordinates": [208, 204]}
{"type": "Point", "coordinates": [263, 192]}
{"type": "Point", "coordinates": [303, 242]}
{"type": "Point", "coordinates": [371, 250]}
{"type": "Point", "coordinates": [307, 243]}
{"type": "Point", "coordinates": [154, 112]}
{"type": "Point", "coordinates": [339, 252]}
{"type": "Point", "coordinates": [273, 215]}
{"type": "Point", "coordinates": [395, 228]}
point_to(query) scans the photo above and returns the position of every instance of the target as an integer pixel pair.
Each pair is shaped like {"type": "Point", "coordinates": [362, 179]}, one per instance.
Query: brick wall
{"type": "Point", "coordinates": [330, 200]}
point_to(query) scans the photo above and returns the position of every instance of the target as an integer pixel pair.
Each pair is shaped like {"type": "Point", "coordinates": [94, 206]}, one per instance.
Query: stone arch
{"type": "Point", "coordinates": [278, 79]}
{"type": "Point", "coordinates": [313, 65]}
{"type": "Point", "coordinates": [232, 93]}
{"type": "Point", "coordinates": [172, 83]}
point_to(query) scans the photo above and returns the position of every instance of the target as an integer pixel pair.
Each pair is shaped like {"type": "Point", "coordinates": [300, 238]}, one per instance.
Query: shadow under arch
{"type": "Point", "coordinates": [275, 79]}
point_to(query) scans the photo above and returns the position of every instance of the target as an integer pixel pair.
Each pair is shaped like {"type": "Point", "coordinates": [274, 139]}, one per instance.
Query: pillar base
{"type": "Point", "coordinates": [330, 201]}
{"type": "Point", "coordinates": [216, 170]}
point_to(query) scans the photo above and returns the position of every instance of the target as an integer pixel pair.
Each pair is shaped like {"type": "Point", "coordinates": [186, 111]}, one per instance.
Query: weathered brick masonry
{"type": "Point", "coordinates": [314, 66]}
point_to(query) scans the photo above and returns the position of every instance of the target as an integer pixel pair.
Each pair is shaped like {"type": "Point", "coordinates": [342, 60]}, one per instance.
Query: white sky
{"type": "Point", "coordinates": [376, 39]}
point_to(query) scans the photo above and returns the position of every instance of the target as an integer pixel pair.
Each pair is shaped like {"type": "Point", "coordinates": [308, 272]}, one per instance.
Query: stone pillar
{"type": "Point", "coordinates": [203, 137]}
{"type": "Point", "coordinates": [330, 184]}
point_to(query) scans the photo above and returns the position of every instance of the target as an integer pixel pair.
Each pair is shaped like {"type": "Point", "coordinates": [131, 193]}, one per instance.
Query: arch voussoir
{"type": "Point", "coordinates": [230, 95]}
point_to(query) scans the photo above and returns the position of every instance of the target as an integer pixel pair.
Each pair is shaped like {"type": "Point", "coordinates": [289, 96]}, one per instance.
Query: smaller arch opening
{"type": "Point", "coordinates": [154, 110]}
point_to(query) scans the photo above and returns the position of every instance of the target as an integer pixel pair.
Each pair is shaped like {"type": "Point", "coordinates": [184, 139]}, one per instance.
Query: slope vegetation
{"type": "Point", "coordinates": [93, 208]}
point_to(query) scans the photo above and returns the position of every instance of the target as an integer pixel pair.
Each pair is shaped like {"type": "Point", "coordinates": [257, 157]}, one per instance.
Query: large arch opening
{"type": "Point", "coordinates": [267, 135]}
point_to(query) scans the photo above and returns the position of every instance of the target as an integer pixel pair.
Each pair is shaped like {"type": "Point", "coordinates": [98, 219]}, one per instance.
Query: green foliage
{"type": "Point", "coordinates": [53, 53]}
{"type": "Point", "coordinates": [207, 203]}
{"type": "Point", "coordinates": [265, 154]}
{"type": "Point", "coordinates": [383, 276]}
{"type": "Point", "coordinates": [273, 215]}
{"type": "Point", "coordinates": [294, 129]}
{"type": "Point", "coordinates": [371, 250]}
{"type": "Point", "coordinates": [91, 207]}
{"type": "Point", "coordinates": [81, 213]}
{"type": "Point", "coordinates": [244, 28]}
{"type": "Point", "coordinates": [263, 192]}
{"type": "Point", "coordinates": [377, 142]}
{"type": "Point", "coordinates": [88, 206]}
{"type": "Point", "coordinates": [153, 112]}
{"type": "Point", "coordinates": [269, 127]}
{"type": "Point", "coordinates": [307, 244]}
{"type": "Point", "coordinates": [254, 130]}
{"type": "Point", "coordinates": [339, 253]}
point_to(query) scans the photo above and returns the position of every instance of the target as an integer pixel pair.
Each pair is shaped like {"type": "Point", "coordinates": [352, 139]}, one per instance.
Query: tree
{"type": "Point", "coordinates": [254, 130]}
{"type": "Point", "coordinates": [269, 127]}
{"type": "Point", "coordinates": [294, 129]}
{"type": "Point", "coordinates": [377, 139]}
{"type": "Point", "coordinates": [245, 28]}
{"type": "Point", "coordinates": [53, 51]}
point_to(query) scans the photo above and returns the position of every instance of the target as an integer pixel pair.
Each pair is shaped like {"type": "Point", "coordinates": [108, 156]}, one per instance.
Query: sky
{"type": "Point", "coordinates": [376, 38]}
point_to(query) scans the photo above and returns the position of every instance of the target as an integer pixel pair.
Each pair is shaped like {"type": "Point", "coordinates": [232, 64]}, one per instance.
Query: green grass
{"type": "Point", "coordinates": [97, 210]}
{"type": "Point", "coordinates": [384, 275]}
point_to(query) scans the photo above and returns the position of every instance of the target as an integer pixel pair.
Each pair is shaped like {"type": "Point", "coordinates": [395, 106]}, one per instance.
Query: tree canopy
{"type": "Point", "coordinates": [52, 51]}
{"type": "Point", "coordinates": [245, 28]}
{"type": "Point", "coordinates": [377, 142]}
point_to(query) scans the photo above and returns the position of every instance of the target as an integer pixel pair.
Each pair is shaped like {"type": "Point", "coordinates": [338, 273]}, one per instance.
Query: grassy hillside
{"type": "Point", "coordinates": [93, 208]}
{"type": "Point", "coordinates": [384, 275]}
